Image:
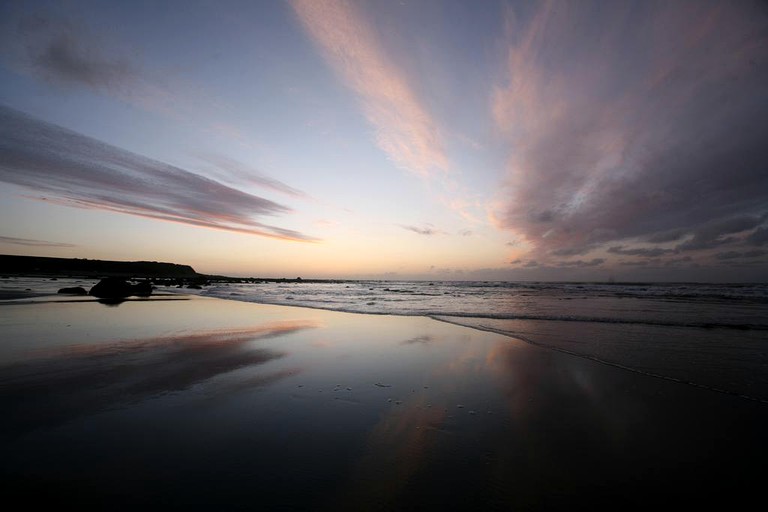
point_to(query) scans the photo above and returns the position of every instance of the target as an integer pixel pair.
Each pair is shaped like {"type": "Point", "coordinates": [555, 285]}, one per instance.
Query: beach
{"type": "Point", "coordinates": [200, 403]}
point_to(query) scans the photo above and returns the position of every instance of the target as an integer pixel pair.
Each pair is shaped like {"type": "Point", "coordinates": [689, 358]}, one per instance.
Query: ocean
{"type": "Point", "coordinates": [713, 336]}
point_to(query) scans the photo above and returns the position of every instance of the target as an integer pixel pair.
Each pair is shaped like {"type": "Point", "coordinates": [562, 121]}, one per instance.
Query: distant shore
{"type": "Point", "coordinates": [57, 273]}
{"type": "Point", "coordinates": [44, 266]}
{"type": "Point", "coordinates": [40, 266]}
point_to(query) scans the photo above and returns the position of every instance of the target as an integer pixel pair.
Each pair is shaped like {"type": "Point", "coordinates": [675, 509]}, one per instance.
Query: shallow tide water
{"type": "Point", "coordinates": [198, 403]}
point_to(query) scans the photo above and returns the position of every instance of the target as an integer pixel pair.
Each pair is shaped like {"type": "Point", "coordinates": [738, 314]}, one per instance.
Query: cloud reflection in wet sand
{"type": "Point", "coordinates": [409, 439]}
{"type": "Point", "coordinates": [398, 447]}
{"type": "Point", "coordinates": [60, 385]}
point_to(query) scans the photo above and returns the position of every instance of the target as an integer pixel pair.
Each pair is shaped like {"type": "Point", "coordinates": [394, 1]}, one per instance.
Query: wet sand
{"type": "Point", "coordinates": [207, 404]}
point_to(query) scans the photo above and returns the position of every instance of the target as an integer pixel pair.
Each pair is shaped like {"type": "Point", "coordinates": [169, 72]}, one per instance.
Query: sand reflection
{"type": "Point", "coordinates": [416, 432]}
{"type": "Point", "coordinates": [398, 447]}
{"type": "Point", "coordinates": [57, 385]}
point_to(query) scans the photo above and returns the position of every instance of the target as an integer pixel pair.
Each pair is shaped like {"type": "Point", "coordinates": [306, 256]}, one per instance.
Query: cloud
{"type": "Point", "coordinates": [641, 263]}
{"type": "Point", "coordinates": [55, 46]}
{"type": "Point", "coordinates": [84, 172]}
{"type": "Point", "coordinates": [61, 51]}
{"type": "Point", "coordinates": [759, 237]}
{"type": "Point", "coordinates": [633, 120]}
{"type": "Point", "coordinates": [719, 232]}
{"type": "Point", "coordinates": [427, 230]}
{"type": "Point", "coordinates": [424, 339]}
{"type": "Point", "coordinates": [67, 53]}
{"type": "Point", "coordinates": [229, 169]}
{"type": "Point", "coordinates": [647, 252]}
{"type": "Point", "coordinates": [582, 264]}
{"type": "Point", "coordinates": [404, 129]}
{"type": "Point", "coordinates": [666, 236]}
{"type": "Point", "coordinates": [32, 243]}
{"type": "Point", "coordinates": [678, 261]}
{"type": "Point", "coordinates": [730, 255]}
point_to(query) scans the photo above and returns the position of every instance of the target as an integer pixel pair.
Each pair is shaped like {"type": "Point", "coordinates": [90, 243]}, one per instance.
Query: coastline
{"type": "Point", "coordinates": [334, 411]}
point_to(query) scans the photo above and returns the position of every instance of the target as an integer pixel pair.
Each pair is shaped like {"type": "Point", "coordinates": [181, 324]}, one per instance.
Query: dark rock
{"type": "Point", "coordinates": [142, 289]}
{"type": "Point", "coordinates": [112, 303]}
{"type": "Point", "coordinates": [112, 288]}
{"type": "Point", "coordinates": [116, 288]}
{"type": "Point", "coordinates": [75, 290]}
{"type": "Point", "coordinates": [195, 287]}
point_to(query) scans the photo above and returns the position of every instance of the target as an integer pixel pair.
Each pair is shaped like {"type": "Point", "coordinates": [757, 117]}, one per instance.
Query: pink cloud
{"type": "Point", "coordinates": [79, 171]}
{"type": "Point", "coordinates": [404, 129]}
{"type": "Point", "coordinates": [629, 120]}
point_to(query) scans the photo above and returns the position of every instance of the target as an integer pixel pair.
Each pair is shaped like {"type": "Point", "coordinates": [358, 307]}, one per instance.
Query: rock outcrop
{"type": "Point", "coordinates": [117, 288]}
{"type": "Point", "coordinates": [75, 290]}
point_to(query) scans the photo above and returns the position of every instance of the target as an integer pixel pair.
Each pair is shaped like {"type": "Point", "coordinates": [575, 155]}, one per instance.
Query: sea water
{"type": "Point", "coordinates": [713, 336]}
{"type": "Point", "coordinates": [709, 335]}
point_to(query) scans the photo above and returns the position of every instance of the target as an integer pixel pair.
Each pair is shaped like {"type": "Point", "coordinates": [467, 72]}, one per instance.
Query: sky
{"type": "Point", "coordinates": [450, 140]}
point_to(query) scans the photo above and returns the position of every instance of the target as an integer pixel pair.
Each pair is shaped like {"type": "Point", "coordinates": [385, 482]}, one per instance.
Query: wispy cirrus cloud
{"type": "Point", "coordinates": [635, 123]}
{"type": "Point", "coordinates": [32, 243]}
{"type": "Point", "coordinates": [231, 170]}
{"type": "Point", "coordinates": [404, 129]}
{"type": "Point", "coordinates": [84, 172]}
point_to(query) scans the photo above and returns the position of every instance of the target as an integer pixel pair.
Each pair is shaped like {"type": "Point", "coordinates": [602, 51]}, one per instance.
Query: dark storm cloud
{"type": "Point", "coordinates": [81, 171]}
{"type": "Point", "coordinates": [636, 120]}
